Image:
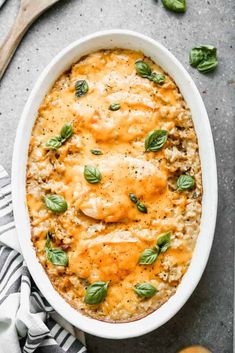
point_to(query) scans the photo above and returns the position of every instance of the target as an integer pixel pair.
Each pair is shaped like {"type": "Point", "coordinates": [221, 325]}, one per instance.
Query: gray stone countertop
{"type": "Point", "coordinates": [207, 317]}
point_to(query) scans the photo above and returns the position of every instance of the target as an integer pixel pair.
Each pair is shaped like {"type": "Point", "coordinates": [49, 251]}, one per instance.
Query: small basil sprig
{"type": "Point", "coordinates": [56, 203]}
{"type": "Point", "coordinates": [185, 182]}
{"type": "Point", "coordinates": [204, 58]}
{"type": "Point", "coordinates": [145, 290]}
{"type": "Point", "coordinates": [157, 78]}
{"type": "Point", "coordinates": [54, 143]}
{"type": "Point", "coordinates": [139, 205]}
{"type": "Point", "coordinates": [81, 88]}
{"type": "Point", "coordinates": [133, 198]}
{"type": "Point", "coordinates": [163, 242]}
{"type": "Point", "coordinates": [56, 256]}
{"type": "Point", "coordinates": [92, 174]}
{"type": "Point", "coordinates": [155, 140]}
{"type": "Point", "coordinates": [175, 5]}
{"type": "Point", "coordinates": [96, 152]}
{"type": "Point", "coordinates": [114, 106]}
{"type": "Point", "coordinates": [65, 133]}
{"type": "Point", "coordinates": [96, 292]}
{"type": "Point", "coordinates": [149, 256]}
{"type": "Point", "coordinates": [144, 70]}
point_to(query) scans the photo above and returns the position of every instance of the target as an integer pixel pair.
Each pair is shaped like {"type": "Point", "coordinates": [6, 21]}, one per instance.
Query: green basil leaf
{"type": "Point", "coordinates": [175, 5]}
{"type": "Point", "coordinates": [208, 65]}
{"type": "Point", "coordinates": [156, 248]}
{"type": "Point", "coordinates": [133, 198]}
{"type": "Point", "coordinates": [145, 290]}
{"type": "Point", "coordinates": [92, 174]}
{"type": "Point", "coordinates": [53, 143]}
{"type": "Point", "coordinates": [143, 69]}
{"type": "Point", "coordinates": [148, 257]}
{"type": "Point", "coordinates": [56, 256]}
{"type": "Point", "coordinates": [96, 152]}
{"type": "Point", "coordinates": [66, 131]}
{"type": "Point", "coordinates": [141, 207]}
{"type": "Point", "coordinates": [48, 240]}
{"type": "Point", "coordinates": [157, 78]}
{"type": "Point", "coordinates": [204, 58]}
{"type": "Point", "coordinates": [196, 56]}
{"type": "Point", "coordinates": [56, 203]}
{"type": "Point", "coordinates": [163, 241]}
{"type": "Point", "coordinates": [114, 106]}
{"type": "Point", "coordinates": [81, 87]}
{"type": "Point", "coordinates": [96, 292]}
{"type": "Point", "coordinates": [185, 182]}
{"type": "Point", "coordinates": [155, 140]}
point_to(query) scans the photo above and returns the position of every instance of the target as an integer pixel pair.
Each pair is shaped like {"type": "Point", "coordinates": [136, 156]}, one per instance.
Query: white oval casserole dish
{"type": "Point", "coordinates": [62, 62]}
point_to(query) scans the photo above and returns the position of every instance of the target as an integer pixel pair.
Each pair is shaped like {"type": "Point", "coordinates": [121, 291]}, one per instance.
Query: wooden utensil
{"type": "Point", "coordinates": [28, 12]}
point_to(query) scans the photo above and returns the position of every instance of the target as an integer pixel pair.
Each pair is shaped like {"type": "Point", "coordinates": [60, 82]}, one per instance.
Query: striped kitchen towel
{"type": "Point", "coordinates": [27, 322]}
{"type": "Point", "coordinates": [2, 2]}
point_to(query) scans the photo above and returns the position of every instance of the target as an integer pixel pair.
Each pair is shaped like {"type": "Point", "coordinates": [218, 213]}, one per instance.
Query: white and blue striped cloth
{"type": "Point", "coordinates": [27, 322]}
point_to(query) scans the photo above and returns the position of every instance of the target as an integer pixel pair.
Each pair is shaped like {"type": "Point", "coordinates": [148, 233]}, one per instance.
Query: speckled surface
{"type": "Point", "coordinates": [208, 315]}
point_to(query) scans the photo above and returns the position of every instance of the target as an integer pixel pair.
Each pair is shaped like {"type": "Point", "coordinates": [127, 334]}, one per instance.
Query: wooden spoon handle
{"type": "Point", "coordinates": [12, 40]}
{"type": "Point", "coordinates": [28, 12]}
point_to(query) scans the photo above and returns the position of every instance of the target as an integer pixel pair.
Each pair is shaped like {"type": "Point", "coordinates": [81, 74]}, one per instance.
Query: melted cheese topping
{"type": "Point", "coordinates": [102, 231]}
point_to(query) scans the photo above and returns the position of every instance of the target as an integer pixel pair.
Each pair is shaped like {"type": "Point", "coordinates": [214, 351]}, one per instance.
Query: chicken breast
{"type": "Point", "coordinates": [109, 200]}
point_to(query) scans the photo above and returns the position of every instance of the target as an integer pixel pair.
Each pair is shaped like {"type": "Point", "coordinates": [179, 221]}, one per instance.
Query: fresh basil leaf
{"type": "Point", "coordinates": [56, 203]}
{"type": "Point", "coordinates": [155, 140]}
{"type": "Point", "coordinates": [81, 87]}
{"type": "Point", "coordinates": [163, 241]}
{"type": "Point", "coordinates": [114, 106]}
{"type": "Point", "coordinates": [204, 58]}
{"type": "Point", "coordinates": [92, 174]}
{"type": "Point", "coordinates": [185, 182]}
{"type": "Point", "coordinates": [48, 240]}
{"type": "Point", "coordinates": [133, 198]}
{"type": "Point", "coordinates": [196, 56]}
{"type": "Point", "coordinates": [175, 5]}
{"type": "Point", "coordinates": [96, 152]}
{"type": "Point", "coordinates": [141, 207]}
{"type": "Point", "coordinates": [208, 65]}
{"type": "Point", "coordinates": [53, 143]}
{"type": "Point", "coordinates": [56, 256]}
{"type": "Point", "coordinates": [96, 292]}
{"type": "Point", "coordinates": [148, 257]}
{"type": "Point", "coordinates": [66, 131]}
{"type": "Point", "coordinates": [145, 290]}
{"type": "Point", "coordinates": [156, 248]}
{"type": "Point", "coordinates": [157, 78]}
{"type": "Point", "coordinates": [143, 69]}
